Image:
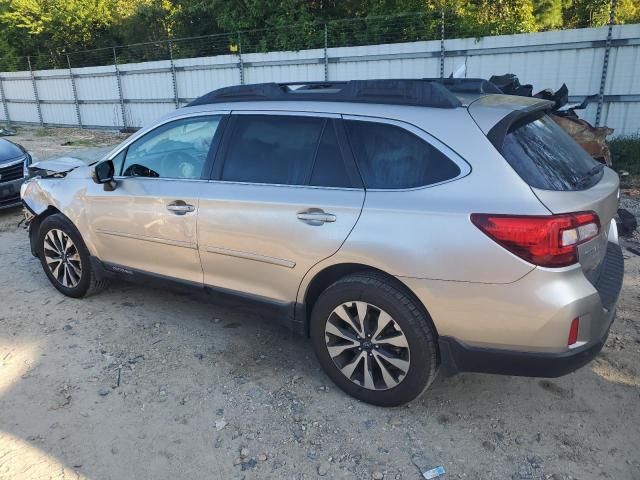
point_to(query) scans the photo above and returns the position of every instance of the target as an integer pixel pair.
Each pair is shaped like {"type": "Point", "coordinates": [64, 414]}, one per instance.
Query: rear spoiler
{"type": "Point", "coordinates": [496, 114]}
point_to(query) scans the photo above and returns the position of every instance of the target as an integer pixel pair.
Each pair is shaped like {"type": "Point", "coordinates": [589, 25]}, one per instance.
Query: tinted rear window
{"type": "Point", "coordinates": [392, 157]}
{"type": "Point", "coordinates": [546, 157]}
{"type": "Point", "coordinates": [273, 149]}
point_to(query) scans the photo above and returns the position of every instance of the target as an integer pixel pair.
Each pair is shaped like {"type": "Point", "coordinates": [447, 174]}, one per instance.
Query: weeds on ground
{"type": "Point", "coordinates": [625, 153]}
{"type": "Point", "coordinates": [82, 142]}
{"type": "Point", "coordinates": [45, 132]}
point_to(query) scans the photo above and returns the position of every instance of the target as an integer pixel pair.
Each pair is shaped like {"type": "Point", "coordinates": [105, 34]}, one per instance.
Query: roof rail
{"type": "Point", "coordinates": [466, 85]}
{"type": "Point", "coordinates": [416, 92]}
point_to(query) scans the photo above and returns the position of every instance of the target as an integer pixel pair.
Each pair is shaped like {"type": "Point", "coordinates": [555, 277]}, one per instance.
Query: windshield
{"type": "Point", "coordinates": [546, 157]}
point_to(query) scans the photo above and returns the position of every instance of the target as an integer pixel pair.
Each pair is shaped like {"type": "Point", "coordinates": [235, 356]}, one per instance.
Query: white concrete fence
{"type": "Point", "coordinates": [134, 94]}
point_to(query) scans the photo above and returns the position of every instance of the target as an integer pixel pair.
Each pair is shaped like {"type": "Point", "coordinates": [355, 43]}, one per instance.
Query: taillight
{"type": "Point", "coordinates": [548, 241]}
{"type": "Point", "coordinates": [573, 331]}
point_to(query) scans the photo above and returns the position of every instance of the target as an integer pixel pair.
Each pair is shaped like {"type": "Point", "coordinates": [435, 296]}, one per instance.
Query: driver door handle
{"type": "Point", "coordinates": [316, 217]}
{"type": "Point", "coordinates": [180, 208]}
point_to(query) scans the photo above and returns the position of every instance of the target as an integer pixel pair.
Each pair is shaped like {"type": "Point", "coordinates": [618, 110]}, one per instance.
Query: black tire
{"type": "Point", "coordinates": [87, 283]}
{"type": "Point", "coordinates": [390, 296]}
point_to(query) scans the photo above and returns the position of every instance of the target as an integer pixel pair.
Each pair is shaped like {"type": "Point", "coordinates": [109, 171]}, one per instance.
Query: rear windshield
{"type": "Point", "coordinates": [546, 157]}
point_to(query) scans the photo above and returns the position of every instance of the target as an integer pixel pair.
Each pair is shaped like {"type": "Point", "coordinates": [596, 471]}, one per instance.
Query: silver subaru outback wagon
{"type": "Point", "coordinates": [409, 227]}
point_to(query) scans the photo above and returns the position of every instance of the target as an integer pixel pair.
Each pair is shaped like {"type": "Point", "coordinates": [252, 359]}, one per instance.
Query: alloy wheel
{"type": "Point", "coordinates": [62, 257]}
{"type": "Point", "coordinates": [367, 345]}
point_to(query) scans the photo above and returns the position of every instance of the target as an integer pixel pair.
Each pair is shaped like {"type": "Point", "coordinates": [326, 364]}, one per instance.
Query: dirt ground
{"type": "Point", "coordinates": [141, 383]}
{"type": "Point", "coordinates": [45, 143]}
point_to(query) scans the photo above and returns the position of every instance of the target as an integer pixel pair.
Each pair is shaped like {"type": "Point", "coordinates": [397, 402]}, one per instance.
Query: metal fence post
{"type": "Point", "coordinates": [326, 54]}
{"type": "Point", "coordinates": [75, 92]}
{"type": "Point", "coordinates": [240, 62]}
{"type": "Point", "coordinates": [442, 44]}
{"type": "Point", "coordinates": [4, 104]}
{"type": "Point", "coordinates": [35, 91]}
{"type": "Point", "coordinates": [119, 85]}
{"type": "Point", "coordinates": [605, 62]}
{"type": "Point", "coordinates": [174, 83]}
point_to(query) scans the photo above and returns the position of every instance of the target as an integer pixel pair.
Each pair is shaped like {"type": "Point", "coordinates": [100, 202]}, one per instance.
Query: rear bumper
{"type": "Point", "coordinates": [458, 357]}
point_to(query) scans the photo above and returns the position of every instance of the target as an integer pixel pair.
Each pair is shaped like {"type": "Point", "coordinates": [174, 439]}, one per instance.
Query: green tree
{"type": "Point", "coordinates": [500, 17]}
{"type": "Point", "coordinates": [151, 20]}
{"type": "Point", "coordinates": [52, 27]}
{"type": "Point", "coordinates": [595, 13]}
{"type": "Point", "coordinates": [548, 13]}
{"type": "Point", "coordinates": [586, 13]}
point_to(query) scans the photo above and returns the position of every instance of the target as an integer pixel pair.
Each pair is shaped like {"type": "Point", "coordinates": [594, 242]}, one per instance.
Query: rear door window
{"type": "Point", "coordinates": [390, 157]}
{"type": "Point", "coordinates": [546, 157]}
{"type": "Point", "coordinates": [274, 149]}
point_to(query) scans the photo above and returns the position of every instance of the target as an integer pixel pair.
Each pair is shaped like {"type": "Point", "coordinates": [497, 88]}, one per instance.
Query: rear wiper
{"type": "Point", "coordinates": [596, 169]}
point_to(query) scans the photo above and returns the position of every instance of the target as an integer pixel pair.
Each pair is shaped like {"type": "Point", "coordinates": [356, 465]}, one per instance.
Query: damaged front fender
{"type": "Point", "coordinates": [33, 197]}
{"type": "Point", "coordinates": [37, 206]}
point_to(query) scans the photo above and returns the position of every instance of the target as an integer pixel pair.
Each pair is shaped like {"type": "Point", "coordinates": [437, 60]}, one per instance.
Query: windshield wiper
{"type": "Point", "coordinates": [596, 169]}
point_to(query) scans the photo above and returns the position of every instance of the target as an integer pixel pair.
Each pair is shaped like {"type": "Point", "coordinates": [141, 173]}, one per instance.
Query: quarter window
{"type": "Point", "coordinates": [275, 149]}
{"type": "Point", "coordinates": [176, 150]}
{"type": "Point", "coordinates": [391, 157]}
{"type": "Point", "coordinates": [118, 161]}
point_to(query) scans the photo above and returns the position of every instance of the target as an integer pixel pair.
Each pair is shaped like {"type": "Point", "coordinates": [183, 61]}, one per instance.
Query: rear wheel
{"type": "Point", "coordinates": [65, 258]}
{"type": "Point", "coordinates": [374, 340]}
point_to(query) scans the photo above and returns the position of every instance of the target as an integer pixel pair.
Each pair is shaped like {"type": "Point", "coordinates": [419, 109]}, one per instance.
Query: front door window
{"type": "Point", "coordinates": [175, 150]}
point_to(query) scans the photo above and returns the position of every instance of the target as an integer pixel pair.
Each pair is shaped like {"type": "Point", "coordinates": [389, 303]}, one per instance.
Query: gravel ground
{"type": "Point", "coordinates": [140, 383]}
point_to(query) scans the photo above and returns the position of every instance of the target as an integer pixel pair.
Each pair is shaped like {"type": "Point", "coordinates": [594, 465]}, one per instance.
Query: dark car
{"type": "Point", "coordinates": [14, 160]}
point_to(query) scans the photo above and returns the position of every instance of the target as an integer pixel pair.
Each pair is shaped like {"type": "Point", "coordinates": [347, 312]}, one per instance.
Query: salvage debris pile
{"type": "Point", "coordinates": [592, 139]}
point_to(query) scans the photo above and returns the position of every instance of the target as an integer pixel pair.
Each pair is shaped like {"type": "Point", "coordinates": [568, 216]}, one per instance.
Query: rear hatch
{"type": "Point", "coordinates": [560, 173]}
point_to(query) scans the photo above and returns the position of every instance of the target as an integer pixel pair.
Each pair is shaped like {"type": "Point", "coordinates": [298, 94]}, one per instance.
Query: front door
{"type": "Point", "coordinates": [148, 223]}
{"type": "Point", "coordinates": [285, 195]}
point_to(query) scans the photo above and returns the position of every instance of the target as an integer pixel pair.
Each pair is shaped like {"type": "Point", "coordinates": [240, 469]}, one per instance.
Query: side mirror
{"type": "Point", "coordinates": [103, 173]}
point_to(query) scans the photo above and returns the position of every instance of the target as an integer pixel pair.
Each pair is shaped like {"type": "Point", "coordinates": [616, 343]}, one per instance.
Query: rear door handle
{"type": "Point", "coordinates": [179, 207]}
{"type": "Point", "coordinates": [316, 217]}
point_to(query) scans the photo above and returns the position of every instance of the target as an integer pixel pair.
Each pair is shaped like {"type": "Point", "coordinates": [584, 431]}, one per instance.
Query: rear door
{"type": "Point", "coordinates": [284, 195]}
{"type": "Point", "coordinates": [564, 178]}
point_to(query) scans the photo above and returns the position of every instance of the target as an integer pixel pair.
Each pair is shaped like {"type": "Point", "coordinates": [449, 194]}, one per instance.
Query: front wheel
{"type": "Point", "coordinates": [374, 340]}
{"type": "Point", "coordinates": [65, 258]}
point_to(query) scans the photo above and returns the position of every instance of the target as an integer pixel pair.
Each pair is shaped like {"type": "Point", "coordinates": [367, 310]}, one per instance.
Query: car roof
{"type": "Point", "coordinates": [441, 93]}
{"type": "Point", "coordinates": [425, 92]}
{"type": "Point", "coordinates": [436, 104]}
{"type": "Point", "coordinates": [414, 92]}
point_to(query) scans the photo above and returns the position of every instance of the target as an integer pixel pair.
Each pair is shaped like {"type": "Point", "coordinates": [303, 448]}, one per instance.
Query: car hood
{"type": "Point", "coordinates": [56, 166]}
{"type": "Point", "coordinates": [10, 152]}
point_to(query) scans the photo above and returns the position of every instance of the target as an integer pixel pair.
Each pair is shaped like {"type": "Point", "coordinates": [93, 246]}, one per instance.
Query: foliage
{"type": "Point", "coordinates": [48, 29]}
{"type": "Point", "coordinates": [548, 13]}
{"type": "Point", "coordinates": [595, 13]}
{"type": "Point", "coordinates": [625, 152]}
